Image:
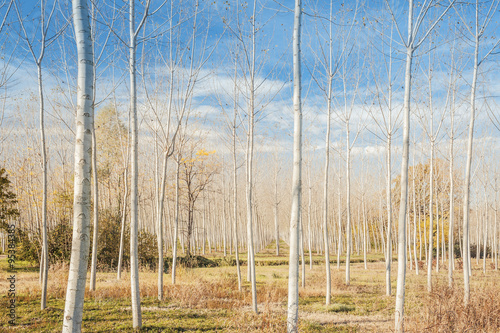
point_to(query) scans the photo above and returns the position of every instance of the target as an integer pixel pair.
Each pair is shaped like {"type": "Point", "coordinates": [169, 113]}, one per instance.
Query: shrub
{"type": "Point", "coordinates": [148, 249]}
{"type": "Point", "coordinates": [108, 245]}
{"type": "Point", "coordinates": [444, 311]}
{"type": "Point", "coordinates": [473, 251]}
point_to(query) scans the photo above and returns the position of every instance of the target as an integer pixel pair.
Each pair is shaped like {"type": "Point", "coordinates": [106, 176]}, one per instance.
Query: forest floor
{"type": "Point", "coordinates": [208, 300]}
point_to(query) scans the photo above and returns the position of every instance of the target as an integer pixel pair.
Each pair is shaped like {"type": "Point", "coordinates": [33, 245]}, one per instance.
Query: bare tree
{"type": "Point", "coordinates": [293, 275]}
{"type": "Point", "coordinates": [45, 42]}
{"type": "Point", "coordinates": [433, 135]}
{"type": "Point", "coordinates": [388, 125]}
{"type": "Point", "coordinates": [73, 309]}
{"type": "Point", "coordinates": [184, 65]}
{"type": "Point", "coordinates": [411, 44]}
{"type": "Point", "coordinates": [134, 32]}
{"type": "Point", "coordinates": [476, 32]}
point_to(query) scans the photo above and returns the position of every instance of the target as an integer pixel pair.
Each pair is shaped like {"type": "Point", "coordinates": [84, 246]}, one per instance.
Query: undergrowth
{"type": "Point", "coordinates": [444, 311]}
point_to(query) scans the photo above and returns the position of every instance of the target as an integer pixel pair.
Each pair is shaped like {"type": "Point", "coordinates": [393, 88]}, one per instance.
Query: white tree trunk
{"type": "Point", "coordinates": [159, 225]}
{"type": "Point", "coordinates": [302, 258]}
{"type": "Point", "coordinates": [73, 308]}
{"type": "Point", "coordinates": [224, 222]}
{"type": "Point", "coordinates": [176, 221]}
{"type": "Point", "coordinates": [485, 232]}
{"type": "Point", "coordinates": [325, 197]}
{"type": "Point", "coordinates": [414, 216]}
{"type": "Point", "coordinates": [293, 274]}
{"type": "Point", "coordinates": [45, 246]}
{"type": "Point", "coordinates": [400, 289]}
{"type": "Point", "coordinates": [495, 232]}
{"type": "Point", "coordinates": [388, 193]}
{"type": "Point", "coordinates": [249, 183]}
{"type": "Point", "coordinates": [339, 211]}
{"type": "Point", "coordinates": [431, 219]}
{"type": "Point", "coordinates": [122, 229]}
{"type": "Point", "coordinates": [276, 220]}
{"type": "Point", "coordinates": [134, 195]}
{"type": "Point", "coordinates": [93, 265]}
{"type": "Point", "coordinates": [468, 163]}
{"type": "Point", "coordinates": [235, 178]}
{"type": "Point", "coordinates": [348, 207]}
{"type": "Point", "coordinates": [451, 246]}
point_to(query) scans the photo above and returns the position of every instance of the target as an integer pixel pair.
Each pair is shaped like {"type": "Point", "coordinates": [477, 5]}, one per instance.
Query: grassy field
{"type": "Point", "coordinates": [208, 300]}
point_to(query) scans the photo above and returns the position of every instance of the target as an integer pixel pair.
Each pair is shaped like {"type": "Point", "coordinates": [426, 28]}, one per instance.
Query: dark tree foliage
{"type": "Point", "coordinates": [7, 200]}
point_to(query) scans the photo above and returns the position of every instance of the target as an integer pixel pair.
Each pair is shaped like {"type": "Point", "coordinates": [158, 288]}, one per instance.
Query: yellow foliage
{"type": "Point", "coordinates": [203, 152]}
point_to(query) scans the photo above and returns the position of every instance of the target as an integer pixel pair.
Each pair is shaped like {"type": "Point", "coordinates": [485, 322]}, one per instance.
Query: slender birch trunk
{"type": "Point", "coordinates": [451, 246]}
{"type": "Point", "coordinates": [325, 192]}
{"type": "Point", "coordinates": [495, 231]}
{"type": "Point", "coordinates": [249, 183]}
{"type": "Point", "coordinates": [95, 236]}
{"type": "Point", "coordinates": [134, 195]}
{"type": "Point", "coordinates": [326, 172]}
{"type": "Point", "coordinates": [485, 232]}
{"type": "Point", "coordinates": [159, 225]}
{"type": "Point", "coordinates": [339, 248]}
{"type": "Point", "coordinates": [176, 221]}
{"type": "Point", "coordinates": [388, 193]}
{"type": "Point", "coordinates": [302, 259]}
{"type": "Point", "coordinates": [348, 208]}
{"type": "Point", "coordinates": [224, 222]}
{"type": "Point", "coordinates": [414, 216]}
{"type": "Point", "coordinates": [309, 219]}
{"type": "Point", "coordinates": [431, 220]}
{"type": "Point", "coordinates": [293, 275]}
{"type": "Point", "coordinates": [93, 265]}
{"type": "Point", "coordinates": [468, 163]}
{"type": "Point", "coordinates": [122, 229]}
{"type": "Point", "coordinates": [235, 177]}
{"type": "Point", "coordinates": [73, 308]}
{"type": "Point", "coordinates": [364, 227]}
{"type": "Point", "coordinates": [400, 289]}
{"type": "Point", "coordinates": [276, 220]}
{"type": "Point", "coordinates": [45, 245]}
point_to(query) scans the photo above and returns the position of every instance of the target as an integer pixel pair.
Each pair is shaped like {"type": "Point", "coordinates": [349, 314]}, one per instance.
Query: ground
{"type": "Point", "coordinates": [208, 300]}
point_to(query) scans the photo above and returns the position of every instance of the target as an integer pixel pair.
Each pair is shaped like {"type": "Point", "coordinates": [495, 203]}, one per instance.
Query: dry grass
{"type": "Point", "coordinates": [444, 311]}
{"type": "Point", "coordinates": [208, 299]}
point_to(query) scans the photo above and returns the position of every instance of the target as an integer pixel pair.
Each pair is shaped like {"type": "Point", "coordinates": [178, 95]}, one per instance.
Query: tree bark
{"type": "Point", "coordinates": [431, 219]}
{"type": "Point", "coordinates": [93, 265]}
{"type": "Point", "coordinates": [235, 178]}
{"type": "Point", "coordinates": [134, 195]}
{"type": "Point", "coordinates": [451, 246]}
{"type": "Point", "coordinates": [325, 192]}
{"type": "Point", "coordinates": [468, 164]}
{"type": "Point", "coordinates": [293, 275]}
{"type": "Point", "coordinates": [249, 183]}
{"type": "Point", "coordinates": [176, 222]}
{"type": "Point", "coordinates": [388, 193]}
{"type": "Point", "coordinates": [400, 289]}
{"type": "Point", "coordinates": [122, 229]}
{"type": "Point", "coordinates": [73, 308]}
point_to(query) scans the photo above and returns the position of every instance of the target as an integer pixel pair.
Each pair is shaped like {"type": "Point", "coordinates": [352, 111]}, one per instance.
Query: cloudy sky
{"type": "Point", "coordinates": [358, 41]}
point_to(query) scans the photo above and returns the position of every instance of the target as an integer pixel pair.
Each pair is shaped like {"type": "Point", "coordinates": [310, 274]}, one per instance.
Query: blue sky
{"type": "Point", "coordinates": [368, 44]}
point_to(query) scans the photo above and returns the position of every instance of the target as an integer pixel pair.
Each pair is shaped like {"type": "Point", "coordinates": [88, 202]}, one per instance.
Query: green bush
{"type": "Point", "coordinates": [108, 245]}
{"type": "Point", "coordinates": [27, 249]}
{"type": "Point", "coordinates": [59, 240]}
{"type": "Point", "coordinates": [148, 250]}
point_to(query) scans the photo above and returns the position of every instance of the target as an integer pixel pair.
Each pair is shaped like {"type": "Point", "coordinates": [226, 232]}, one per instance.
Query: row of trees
{"type": "Point", "coordinates": [170, 55]}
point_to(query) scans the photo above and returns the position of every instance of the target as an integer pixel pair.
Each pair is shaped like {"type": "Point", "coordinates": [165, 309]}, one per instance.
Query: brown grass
{"type": "Point", "coordinates": [367, 309]}
{"type": "Point", "coordinates": [444, 311]}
